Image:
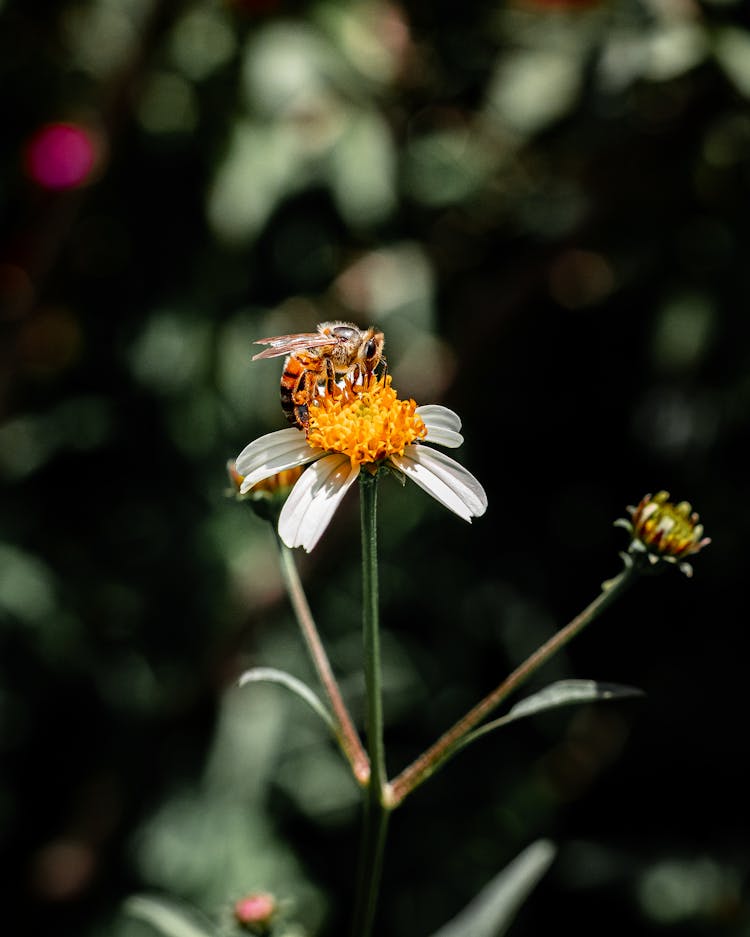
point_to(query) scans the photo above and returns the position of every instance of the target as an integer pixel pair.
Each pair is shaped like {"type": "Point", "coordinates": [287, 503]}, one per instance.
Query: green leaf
{"type": "Point", "coordinates": [272, 675]}
{"type": "Point", "coordinates": [166, 917]}
{"type": "Point", "coordinates": [493, 910]}
{"type": "Point", "coordinates": [566, 692]}
{"type": "Point", "coordinates": [561, 693]}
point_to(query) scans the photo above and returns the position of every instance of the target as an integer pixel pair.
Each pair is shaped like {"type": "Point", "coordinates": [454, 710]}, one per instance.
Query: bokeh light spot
{"type": "Point", "coordinates": [62, 869]}
{"type": "Point", "coordinates": [49, 342]}
{"type": "Point", "coordinates": [579, 278]}
{"type": "Point", "coordinates": [61, 156]}
{"type": "Point", "coordinates": [16, 290]}
{"type": "Point", "coordinates": [168, 105]}
{"type": "Point", "coordinates": [201, 42]}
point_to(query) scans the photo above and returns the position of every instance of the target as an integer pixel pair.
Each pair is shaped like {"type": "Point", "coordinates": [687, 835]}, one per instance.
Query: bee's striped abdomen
{"type": "Point", "coordinates": [297, 382]}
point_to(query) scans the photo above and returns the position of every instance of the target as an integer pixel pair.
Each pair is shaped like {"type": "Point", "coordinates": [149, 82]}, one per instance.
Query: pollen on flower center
{"type": "Point", "coordinates": [367, 423]}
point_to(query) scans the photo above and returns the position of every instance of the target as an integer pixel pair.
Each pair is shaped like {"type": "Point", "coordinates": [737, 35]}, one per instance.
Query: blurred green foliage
{"type": "Point", "coordinates": [543, 203]}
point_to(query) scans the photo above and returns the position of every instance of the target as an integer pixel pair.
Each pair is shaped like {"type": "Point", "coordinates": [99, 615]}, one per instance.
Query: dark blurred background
{"type": "Point", "coordinates": [544, 204]}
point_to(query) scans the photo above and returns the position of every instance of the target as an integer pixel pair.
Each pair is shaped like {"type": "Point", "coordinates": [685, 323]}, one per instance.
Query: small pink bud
{"type": "Point", "coordinates": [255, 911]}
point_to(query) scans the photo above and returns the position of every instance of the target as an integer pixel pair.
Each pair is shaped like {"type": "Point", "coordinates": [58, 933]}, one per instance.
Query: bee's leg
{"type": "Point", "coordinates": [302, 397]}
{"type": "Point", "coordinates": [288, 394]}
{"type": "Point", "coordinates": [302, 416]}
{"type": "Point", "coordinates": [330, 377]}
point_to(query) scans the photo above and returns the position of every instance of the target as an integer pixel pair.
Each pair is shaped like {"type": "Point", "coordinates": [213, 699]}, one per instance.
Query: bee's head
{"type": "Point", "coordinates": [371, 349]}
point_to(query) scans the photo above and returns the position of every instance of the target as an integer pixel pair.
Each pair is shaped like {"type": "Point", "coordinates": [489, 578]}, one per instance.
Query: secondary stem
{"type": "Point", "coordinates": [347, 734]}
{"type": "Point", "coordinates": [377, 794]}
{"type": "Point", "coordinates": [427, 763]}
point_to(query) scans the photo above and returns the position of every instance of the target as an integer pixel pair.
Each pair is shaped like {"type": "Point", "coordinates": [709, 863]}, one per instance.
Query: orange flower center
{"type": "Point", "coordinates": [367, 422]}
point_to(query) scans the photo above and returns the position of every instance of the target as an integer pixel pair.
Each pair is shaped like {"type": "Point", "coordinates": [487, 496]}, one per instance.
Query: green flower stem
{"type": "Point", "coordinates": [427, 763]}
{"type": "Point", "coordinates": [372, 848]}
{"type": "Point", "coordinates": [378, 793]}
{"type": "Point", "coordinates": [371, 629]}
{"type": "Point", "coordinates": [347, 735]}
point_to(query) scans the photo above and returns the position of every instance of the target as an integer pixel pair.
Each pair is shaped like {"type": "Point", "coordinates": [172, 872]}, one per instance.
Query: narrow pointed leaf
{"type": "Point", "coordinates": [494, 908]}
{"type": "Point", "coordinates": [166, 917]}
{"type": "Point", "coordinates": [272, 675]}
{"type": "Point", "coordinates": [566, 692]}
{"type": "Point", "coordinates": [561, 693]}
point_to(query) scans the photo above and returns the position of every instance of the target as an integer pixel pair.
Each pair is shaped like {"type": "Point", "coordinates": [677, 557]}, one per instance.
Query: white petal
{"type": "Point", "coordinates": [436, 416]}
{"type": "Point", "coordinates": [314, 499]}
{"type": "Point", "coordinates": [443, 478]}
{"type": "Point", "coordinates": [272, 453]}
{"type": "Point", "coordinates": [442, 424]}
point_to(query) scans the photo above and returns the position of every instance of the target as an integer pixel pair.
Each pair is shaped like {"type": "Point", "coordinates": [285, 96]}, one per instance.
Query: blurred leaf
{"type": "Point", "coordinates": [166, 917]}
{"type": "Point", "coordinates": [287, 66]}
{"type": "Point", "coordinates": [732, 49]}
{"type": "Point", "coordinates": [201, 41]}
{"type": "Point", "coordinates": [446, 166]}
{"type": "Point", "coordinates": [77, 424]}
{"type": "Point", "coordinates": [208, 848]}
{"type": "Point", "coordinates": [532, 88]}
{"type": "Point", "coordinates": [492, 911]}
{"type": "Point", "coordinates": [170, 354]}
{"type": "Point", "coordinates": [676, 891]}
{"type": "Point", "coordinates": [272, 675]}
{"type": "Point", "coordinates": [362, 170]}
{"type": "Point", "coordinates": [674, 49]}
{"type": "Point", "coordinates": [26, 585]}
{"type": "Point", "coordinates": [560, 693]}
{"type": "Point", "coordinates": [259, 165]}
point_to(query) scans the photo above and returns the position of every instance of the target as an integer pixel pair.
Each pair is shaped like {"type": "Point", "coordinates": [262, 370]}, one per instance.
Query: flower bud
{"type": "Point", "coordinates": [267, 496]}
{"type": "Point", "coordinates": [663, 531]}
{"type": "Point", "coordinates": [255, 912]}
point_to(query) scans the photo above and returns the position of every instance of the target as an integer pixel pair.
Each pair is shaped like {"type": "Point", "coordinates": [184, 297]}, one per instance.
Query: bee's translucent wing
{"type": "Point", "coordinates": [287, 344]}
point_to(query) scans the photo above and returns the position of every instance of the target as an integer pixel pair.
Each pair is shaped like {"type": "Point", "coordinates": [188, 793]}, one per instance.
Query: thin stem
{"type": "Point", "coordinates": [345, 730]}
{"type": "Point", "coordinates": [427, 763]}
{"type": "Point", "coordinates": [375, 828]}
{"type": "Point", "coordinates": [371, 629]}
{"type": "Point", "coordinates": [378, 793]}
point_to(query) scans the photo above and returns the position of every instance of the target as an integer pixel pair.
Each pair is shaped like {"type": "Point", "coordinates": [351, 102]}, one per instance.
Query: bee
{"type": "Point", "coordinates": [337, 348]}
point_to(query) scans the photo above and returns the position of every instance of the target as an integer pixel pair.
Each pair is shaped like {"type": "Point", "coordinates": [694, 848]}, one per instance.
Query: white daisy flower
{"type": "Point", "coordinates": [354, 429]}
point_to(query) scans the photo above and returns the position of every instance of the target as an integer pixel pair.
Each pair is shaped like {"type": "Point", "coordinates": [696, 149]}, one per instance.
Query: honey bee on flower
{"type": "Point", "coordinates": [337, 349]}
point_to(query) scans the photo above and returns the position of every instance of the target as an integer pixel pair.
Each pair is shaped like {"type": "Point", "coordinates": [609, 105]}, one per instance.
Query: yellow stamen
{"type": "Point", "coordinates": [367, 422]}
